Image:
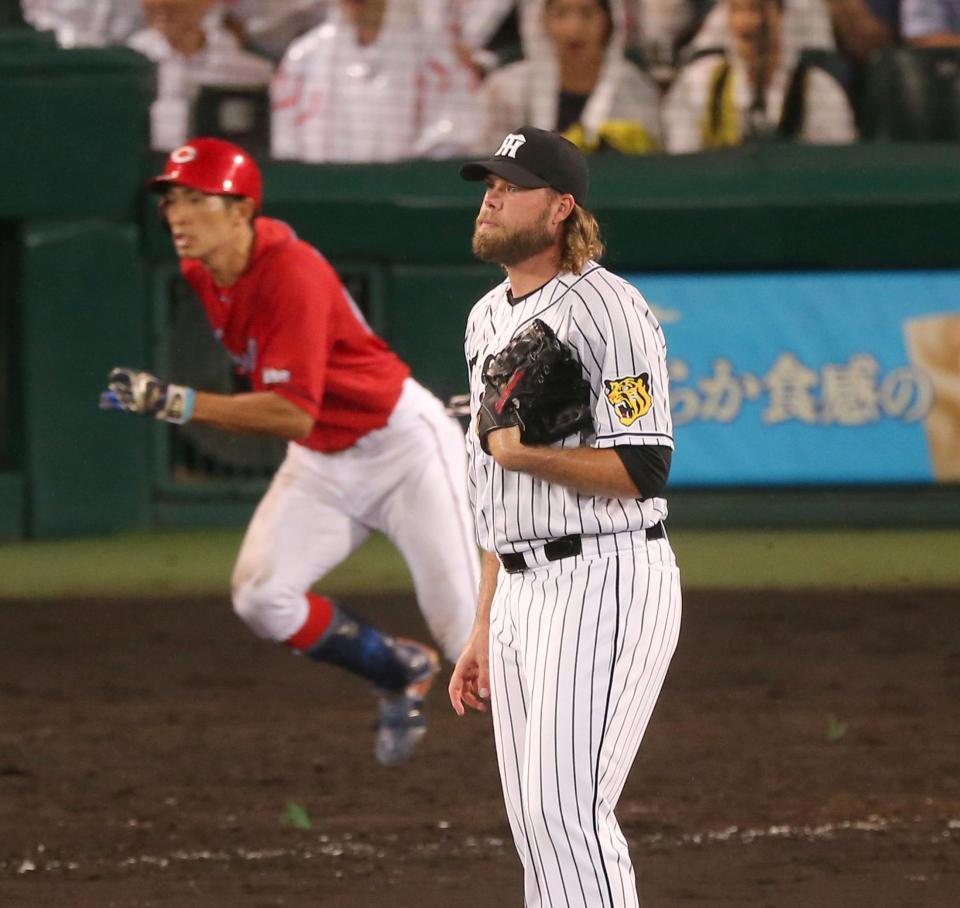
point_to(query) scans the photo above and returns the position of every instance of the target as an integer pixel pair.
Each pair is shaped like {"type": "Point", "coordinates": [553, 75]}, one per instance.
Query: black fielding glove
{"type": "Point", "coordinates": [534, 383]}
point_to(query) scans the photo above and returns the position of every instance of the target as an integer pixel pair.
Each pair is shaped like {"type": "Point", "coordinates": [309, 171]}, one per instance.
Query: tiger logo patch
{"type": "Point", "coordinates": [629, 396]}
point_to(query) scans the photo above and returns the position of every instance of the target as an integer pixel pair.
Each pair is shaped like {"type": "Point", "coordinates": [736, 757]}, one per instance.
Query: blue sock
{"type": "Point", "coordinates": [360, 648]}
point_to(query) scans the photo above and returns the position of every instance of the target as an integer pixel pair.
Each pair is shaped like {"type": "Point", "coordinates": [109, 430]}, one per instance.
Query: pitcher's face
{"type": "Point", "coordinates": [514, 223]}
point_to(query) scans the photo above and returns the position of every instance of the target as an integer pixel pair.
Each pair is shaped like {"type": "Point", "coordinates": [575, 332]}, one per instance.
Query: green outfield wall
{"type": "Point", "coordinates": [87, 272]}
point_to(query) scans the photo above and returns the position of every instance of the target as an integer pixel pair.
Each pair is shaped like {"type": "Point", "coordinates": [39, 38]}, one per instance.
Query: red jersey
{"type": "Point", "coordinates": [290, 324]}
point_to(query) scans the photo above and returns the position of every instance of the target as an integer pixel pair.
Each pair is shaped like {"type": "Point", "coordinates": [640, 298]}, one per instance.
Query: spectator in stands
{"type": "Point", "coordinates": [806, 24]}
{"type": "Point", "coordinates": [269, 28]}
{"type": "Point", "coordinates": [754, 87]}
{"type": "Point", "coordinates": [376, 82]}
{"type": "Point", "coordinates": [660, 27]}
{"type": "Point", "coordinates": [575, 80]}
{"type": "Point", "coordinates": [480, 20]}
{"type": "Point", "coordinates": [191, 48]}
{"type": "Point", "coordinates": [931, 23]}
{"type": "Point", "coordinates": [857, 27]}
{"type": "Point", "coordinates": [862, 27]}
{"type": "Point", "coordinates": [85, 23]}
{"type": "Point", "coordinates": [653, 28]}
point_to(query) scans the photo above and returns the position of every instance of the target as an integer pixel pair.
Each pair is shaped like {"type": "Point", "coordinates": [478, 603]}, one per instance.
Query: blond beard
{"type": "Point", "coordinates": [513, 246]}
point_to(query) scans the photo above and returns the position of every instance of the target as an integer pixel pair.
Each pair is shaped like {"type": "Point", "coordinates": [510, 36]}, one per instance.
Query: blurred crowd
{"type": "Point", "coordinates": [388, 80]}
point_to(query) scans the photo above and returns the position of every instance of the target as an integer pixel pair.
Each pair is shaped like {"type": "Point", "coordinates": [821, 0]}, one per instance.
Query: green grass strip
{"type": "Point", "coordinates": [167, 562]}
{"type": "Point", "coordinates": [170, 562]}
{"type": "Point", "coordinates": [806, 559]}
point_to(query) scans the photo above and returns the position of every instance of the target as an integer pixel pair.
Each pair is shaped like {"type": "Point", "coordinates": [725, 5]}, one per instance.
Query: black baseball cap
{"type": "Point", "coordinates": [535, 158]}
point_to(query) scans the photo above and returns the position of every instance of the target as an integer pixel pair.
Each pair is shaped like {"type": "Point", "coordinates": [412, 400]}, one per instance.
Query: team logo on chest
{"type": "Point", "coordinates": [630, 396]}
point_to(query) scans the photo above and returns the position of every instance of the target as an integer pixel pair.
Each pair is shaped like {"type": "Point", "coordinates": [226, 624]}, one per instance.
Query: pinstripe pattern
{"type": "Point", "coordinates": [614, 335]}
{"type": "Point", "coordinates": [579, 648]}
{"type": "Point", "coordinates": [579, 653]}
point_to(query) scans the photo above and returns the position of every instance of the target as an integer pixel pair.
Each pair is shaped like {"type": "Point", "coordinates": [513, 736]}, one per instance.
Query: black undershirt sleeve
{"type": "Point", "coordinates": [648, 466]}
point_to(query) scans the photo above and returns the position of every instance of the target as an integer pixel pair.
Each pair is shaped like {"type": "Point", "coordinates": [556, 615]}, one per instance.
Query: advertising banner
{"type": "Point", "coordinates": [812, 378]}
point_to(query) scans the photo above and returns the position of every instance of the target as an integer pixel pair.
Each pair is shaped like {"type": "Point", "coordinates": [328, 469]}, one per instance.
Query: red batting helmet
{"type": "Point", "coordinates": [212, 166]}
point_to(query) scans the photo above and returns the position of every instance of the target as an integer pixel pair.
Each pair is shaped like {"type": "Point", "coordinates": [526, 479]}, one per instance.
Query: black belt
{"type": "Point", "coordinates": [564, 547]}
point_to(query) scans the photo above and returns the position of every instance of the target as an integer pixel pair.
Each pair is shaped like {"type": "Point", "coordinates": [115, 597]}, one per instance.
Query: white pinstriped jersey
{"type": "Point", "coordinates": [621, 347]}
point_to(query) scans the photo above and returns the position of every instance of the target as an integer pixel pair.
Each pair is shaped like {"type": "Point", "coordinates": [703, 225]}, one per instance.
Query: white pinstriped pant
{"type": "Point", "coordinates": [579, 651]}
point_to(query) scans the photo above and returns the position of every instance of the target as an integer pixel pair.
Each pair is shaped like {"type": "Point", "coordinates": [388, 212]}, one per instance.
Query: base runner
{"type": "Point", "coordinates": [579, 610]}
{"type": "Point", "coordinates": [370, 448]}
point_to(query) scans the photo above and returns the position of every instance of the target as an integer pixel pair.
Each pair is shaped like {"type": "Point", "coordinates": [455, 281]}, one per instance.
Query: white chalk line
{"type": "Point", "coordinates": [328, 847]}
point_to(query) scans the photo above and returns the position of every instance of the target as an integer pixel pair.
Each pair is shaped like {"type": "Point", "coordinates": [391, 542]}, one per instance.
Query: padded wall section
{"type": "Point", "coordinates": [82, 312]}
{"type": "Point", "coordinates": [429, 309]}
{"type": "Point", "coordinates": [767, 207]}
{"type": "Point", "coordinates": [75, 129]}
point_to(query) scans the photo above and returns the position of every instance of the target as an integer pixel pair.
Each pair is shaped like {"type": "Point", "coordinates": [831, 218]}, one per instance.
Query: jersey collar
{"type": "Point", "coordinates": [513, 300]}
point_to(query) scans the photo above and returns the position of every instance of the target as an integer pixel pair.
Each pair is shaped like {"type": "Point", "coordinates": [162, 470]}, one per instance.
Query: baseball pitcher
{"type": "Point", "coordinates": [569, 451]}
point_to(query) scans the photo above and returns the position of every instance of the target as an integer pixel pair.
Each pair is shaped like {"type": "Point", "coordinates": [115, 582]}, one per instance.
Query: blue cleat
{"type": "Point", "coordinates": [402, 723]}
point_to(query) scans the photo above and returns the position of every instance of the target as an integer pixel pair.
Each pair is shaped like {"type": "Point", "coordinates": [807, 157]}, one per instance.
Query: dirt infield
{"type": "Point", "coordinates": [805, 752]}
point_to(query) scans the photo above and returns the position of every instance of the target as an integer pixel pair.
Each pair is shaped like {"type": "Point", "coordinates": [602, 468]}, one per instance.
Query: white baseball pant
{"type": "Point", "coordinates": [407, 480]}
{"type": "Point", "coordinates": [579, 649]}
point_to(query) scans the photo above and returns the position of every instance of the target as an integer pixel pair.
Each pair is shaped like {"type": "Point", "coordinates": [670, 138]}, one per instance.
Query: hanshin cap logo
{"type": "Point", "coordinates": [534, 159]}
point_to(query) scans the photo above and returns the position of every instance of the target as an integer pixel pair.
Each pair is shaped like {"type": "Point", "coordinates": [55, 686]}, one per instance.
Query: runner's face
{"type": "Point", "coordinates": [200, 224]}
